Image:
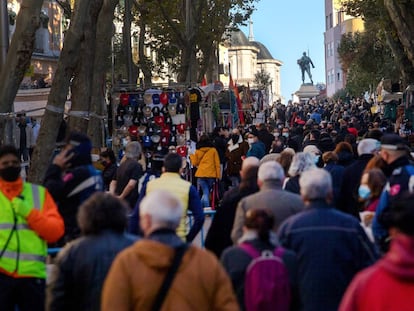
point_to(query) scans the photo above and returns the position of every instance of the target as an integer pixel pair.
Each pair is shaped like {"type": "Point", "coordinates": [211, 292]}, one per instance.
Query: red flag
{"type": "Point", "coordinates": [204, 81]}
{"type": "Point", "coordinates": [239, 103]}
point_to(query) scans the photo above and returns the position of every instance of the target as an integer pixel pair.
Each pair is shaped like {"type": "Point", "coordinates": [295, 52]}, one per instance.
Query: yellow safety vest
{"type": "Point", "coordinates": [22, 251]}
{"type": "Point", "coordinates": [173, 183]}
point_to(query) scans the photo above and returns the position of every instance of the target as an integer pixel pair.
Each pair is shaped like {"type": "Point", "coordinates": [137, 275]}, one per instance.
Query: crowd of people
{"type": "Point", "coordinates": [312, 211]}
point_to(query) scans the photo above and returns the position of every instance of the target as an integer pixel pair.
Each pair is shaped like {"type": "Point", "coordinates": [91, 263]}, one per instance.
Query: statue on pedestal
{"type": "Point", "coordinates": [304, 63]}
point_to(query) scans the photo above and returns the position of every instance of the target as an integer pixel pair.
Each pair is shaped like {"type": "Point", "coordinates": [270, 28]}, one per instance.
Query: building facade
{"type": "Point", "coordinates": [246, 57]}
{"type": "Point", "coordinates": [337, 23]}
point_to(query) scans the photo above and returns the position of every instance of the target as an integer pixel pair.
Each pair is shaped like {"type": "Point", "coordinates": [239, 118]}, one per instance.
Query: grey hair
{"type": "Point", "coordinates": [164, 208]}
{"type": "Point", "coordinates": [302, 161]}
{"type": "Point", "coordinates": [270, 170]}
{"type": "Point", "coordinates": [315, 183]}
{"type": "Point", "coordinates": [133, 150]}
{"type": "Point", "coordinates": [368, 146]}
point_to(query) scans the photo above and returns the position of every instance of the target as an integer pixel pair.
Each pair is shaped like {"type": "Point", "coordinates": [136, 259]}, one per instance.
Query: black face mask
{"type": "Point", "coordinates": [235, 138]}
{"type": "Point", "coordinates": [10, 173]}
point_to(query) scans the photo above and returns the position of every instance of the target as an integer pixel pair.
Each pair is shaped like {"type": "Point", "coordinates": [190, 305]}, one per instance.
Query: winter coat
{"type": "Point", "coordinates": [386, 286]}
{"type": "Point", "coordinates": [282, 204]}
{"type": "Point", "coordinates": [348, 201]}
{"type": "Point", "coordinates": [207, 161]}
{"type": "Point", "coordinates": [138, 272]}
{"type": "Point", "coordinates": [234, 154]}
{"type": "Point", "coordinates": [218, 236]}
{"type": "Point", "coordinates": [331, 247]}
{"type": "Point", "coordinates": [337, 172]}
{"type": "Point", "coordinates": [80, 270]}
{"type": "Point", "coordinates": [257, 149]}
{"type": "Point", "coordinates": [70, 189]}
{"type": "Point", "coordinates": [399, 181]}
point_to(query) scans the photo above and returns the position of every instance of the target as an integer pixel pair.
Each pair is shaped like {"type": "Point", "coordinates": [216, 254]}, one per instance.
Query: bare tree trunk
{"type": "Point", "coordinates": [104, 35]}
{"type": "Point", "coordinates": [82, 82]}
{"type": "Point", "coordinates": [402, 15]}
{"type": "Point", "coordinates": [18, 60]}
{"type": "Point", "coordinates": [144, 63]}
{"type": "Point", "coordinates": [56, 102]}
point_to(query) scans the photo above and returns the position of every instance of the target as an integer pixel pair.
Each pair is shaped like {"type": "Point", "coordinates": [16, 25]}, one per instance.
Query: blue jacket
{"type": "Point", "coordinates": [331, 248]}
{"type": "Point", "coordinates": [401, 180]}
{"type": "Point", "coordinates": [257, 150]}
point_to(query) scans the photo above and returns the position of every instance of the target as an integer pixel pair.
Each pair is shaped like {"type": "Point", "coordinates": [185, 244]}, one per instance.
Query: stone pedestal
{"type": "Point", "coordinates": [307, 91]}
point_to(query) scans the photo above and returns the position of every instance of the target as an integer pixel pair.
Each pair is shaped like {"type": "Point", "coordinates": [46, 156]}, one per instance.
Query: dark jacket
{"type": "Point", "coordinates": [81, 268]}
{"type": "Point", "coordinates": [337, 172]}
{"type": "Point", "coordinates": [348, 201]}
{"type": "Point", "coordinates": [331, 247]}
{"type": "Point", "coordinates": [345, 158]}
{"type": "Point", "coordinates": [70, 189]}
{"type": "Point", "coordinates": [218, 236]}
{"type": "Point", "coordinates": [266, 138]}
{"type": "Point", "coordinates": [235, 260]}
{"type": "Point", "coordinates": [234, 154]}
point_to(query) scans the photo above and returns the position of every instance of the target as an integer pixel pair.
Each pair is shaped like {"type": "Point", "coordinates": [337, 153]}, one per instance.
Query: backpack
{"type": "Point", "coordinates": [266, 282]}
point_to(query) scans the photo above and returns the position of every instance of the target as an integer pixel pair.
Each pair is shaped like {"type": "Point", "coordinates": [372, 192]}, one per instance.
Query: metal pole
{"type": "Point", "coordinates": [4, 33]}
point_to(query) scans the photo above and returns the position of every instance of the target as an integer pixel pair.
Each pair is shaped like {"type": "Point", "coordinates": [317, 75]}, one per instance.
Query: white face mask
{"type": "Point", "coordinates": [250, 141]}
{"type": "Point", "coordinates": [285, 134]}
{"type": "Point", "coordinates": [276, 134]}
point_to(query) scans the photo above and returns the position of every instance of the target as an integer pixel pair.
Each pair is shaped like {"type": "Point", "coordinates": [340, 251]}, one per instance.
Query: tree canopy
{"type": "Point", "coordinates": [385, 50]}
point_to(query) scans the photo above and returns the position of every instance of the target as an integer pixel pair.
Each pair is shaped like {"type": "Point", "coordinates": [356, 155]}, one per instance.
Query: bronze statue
{"type": "Point", "coordinates": [304, 63]}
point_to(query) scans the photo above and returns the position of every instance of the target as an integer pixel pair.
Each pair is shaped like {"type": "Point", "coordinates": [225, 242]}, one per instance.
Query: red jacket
{"type": "Point", "coordinates": [386, 286]}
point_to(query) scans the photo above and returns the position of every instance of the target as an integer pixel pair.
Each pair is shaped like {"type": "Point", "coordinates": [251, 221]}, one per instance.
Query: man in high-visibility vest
{"type": "Point", "coordinates": [29, 219]}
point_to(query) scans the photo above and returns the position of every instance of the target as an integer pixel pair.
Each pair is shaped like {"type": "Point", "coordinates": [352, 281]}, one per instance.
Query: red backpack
{"type": "Point", "coordinates": [266, 282]}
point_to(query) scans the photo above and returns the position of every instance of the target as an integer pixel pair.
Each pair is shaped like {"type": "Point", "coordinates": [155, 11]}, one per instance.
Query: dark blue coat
{"type": "Point", "coordinates": [257, 150]}
{"type": "Point", "coordinates": [331, 248]}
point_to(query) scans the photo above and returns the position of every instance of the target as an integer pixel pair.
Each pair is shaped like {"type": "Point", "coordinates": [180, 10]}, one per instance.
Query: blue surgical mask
{"type": "Point", "coordinates": [316, 158]}
{"type": "Point", "coordinates": [285, 134]}
{"type": "Point", "coordinates": [364, 192]}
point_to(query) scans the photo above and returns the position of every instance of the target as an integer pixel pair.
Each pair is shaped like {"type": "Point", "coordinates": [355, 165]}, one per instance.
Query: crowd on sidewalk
{"type": "Point", "coordinates": [313, 211]}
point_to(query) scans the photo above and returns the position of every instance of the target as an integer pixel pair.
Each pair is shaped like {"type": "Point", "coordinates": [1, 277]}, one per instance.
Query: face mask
{"type": "Point", "coordinates": [235, 138]}
{"type": "Point", "coordinates": [10, 173]}
{"type": "Point", "coordinates": [276, 134]}
{"type": "Point", "coordinates": [364, 192]}
{"type": "Point", "coordinates": [316, 158]}
{"type": "Point", "coordinates": [250, 141]}
{"type": "Point", "coordinates": [285, 135]}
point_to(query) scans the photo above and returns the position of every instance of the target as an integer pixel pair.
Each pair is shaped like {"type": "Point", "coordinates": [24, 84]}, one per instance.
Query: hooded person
{"type": "Point", "coordinates": [71, 179]}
